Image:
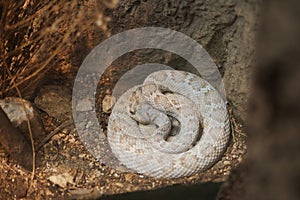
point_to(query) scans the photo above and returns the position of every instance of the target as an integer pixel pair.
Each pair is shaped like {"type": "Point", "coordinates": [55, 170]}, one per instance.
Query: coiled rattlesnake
{"type": "Point", "coordinates": [139, 128]}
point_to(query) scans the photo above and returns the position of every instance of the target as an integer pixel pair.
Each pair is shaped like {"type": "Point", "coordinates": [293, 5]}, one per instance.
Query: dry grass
{"type": "Point", "coordinates": [35, 34]}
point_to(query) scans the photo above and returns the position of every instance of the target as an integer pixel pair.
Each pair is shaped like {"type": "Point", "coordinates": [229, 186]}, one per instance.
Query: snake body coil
{"type": "Point", "coordinates": [139, 128]}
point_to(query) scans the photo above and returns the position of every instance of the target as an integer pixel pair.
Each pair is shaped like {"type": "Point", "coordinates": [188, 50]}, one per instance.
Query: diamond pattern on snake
{"type": "Point", "coordinates": [140, 131]}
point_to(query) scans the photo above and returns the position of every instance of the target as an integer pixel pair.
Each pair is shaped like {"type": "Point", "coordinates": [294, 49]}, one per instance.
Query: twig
{"type": "Point", "coordinates": [54, 132]}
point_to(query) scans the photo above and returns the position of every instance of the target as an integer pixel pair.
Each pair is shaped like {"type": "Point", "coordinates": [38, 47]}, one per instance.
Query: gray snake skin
{"type": "Point", "coordinates": [140, 125]}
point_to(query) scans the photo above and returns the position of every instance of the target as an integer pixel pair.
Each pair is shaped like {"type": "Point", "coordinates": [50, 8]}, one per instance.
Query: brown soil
{"type": "Point", "coordinates": [83, 176]}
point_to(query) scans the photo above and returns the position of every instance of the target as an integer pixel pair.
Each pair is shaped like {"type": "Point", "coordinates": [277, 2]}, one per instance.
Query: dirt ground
{"type": "Point", "coordinates": [265, 168]}
{"type": "Point", "coordinates": [66, 170]}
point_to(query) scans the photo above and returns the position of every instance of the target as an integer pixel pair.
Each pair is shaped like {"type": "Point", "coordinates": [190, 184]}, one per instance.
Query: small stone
{"type": "Point", "coordinates": [62, 179]}
{"type": "Point", "coordinates": [72, 140]}
{"type": "Point", "coordinates": [108, 103]}
{"type": "Point", "coordinates": [55, 100]}
{"type": "Point", "coordinates": [81, 155]}
{"type": "Point", "coordinates": [142, 176]}
{"type": "Point", "coordinates": [226, 162]}
{"type": "Point", "coordinates": [119, 185]}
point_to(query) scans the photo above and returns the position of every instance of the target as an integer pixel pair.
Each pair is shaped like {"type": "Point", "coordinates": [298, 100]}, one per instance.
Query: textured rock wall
{"type": "Point", "coordinates": [224, 28]}
{"type": "Point", "coordinates": [271, 170]}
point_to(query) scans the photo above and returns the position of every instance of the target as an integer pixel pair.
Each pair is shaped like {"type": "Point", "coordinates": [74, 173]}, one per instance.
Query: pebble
{"type": "Point", "coordinates": [142, 176]}
{"type": "Point", "coordinates": [226, 162]}
{"type": "Point", "coordinates": [55, 100]}
{"type": "Point", "coordinates": [119, 185]}
{"type": "Point", "coordinates": [108, 103]}
{"type": "Point", "coordinates": [81, 155]}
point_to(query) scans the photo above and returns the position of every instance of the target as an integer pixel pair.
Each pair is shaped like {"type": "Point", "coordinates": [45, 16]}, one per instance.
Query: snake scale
{"type": "Point", "coordinates": [140, 127]}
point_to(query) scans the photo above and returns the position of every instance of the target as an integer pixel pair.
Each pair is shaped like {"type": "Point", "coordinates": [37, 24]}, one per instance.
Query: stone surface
{"type": "Point", "coordinates": [108, 103]}
{"type": "Point", "coordinates": [55, 100]}
{"type": "Point", "coordinates": [14, 109]}
{"type": "Point", "coordinates": [224, 28]}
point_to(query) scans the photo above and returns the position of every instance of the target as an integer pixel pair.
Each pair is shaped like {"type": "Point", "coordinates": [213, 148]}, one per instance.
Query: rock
{"type": "Point", "coordinates": [226, 162]}
{"type": "Point", "coordinates": [240, 60]}
{"type": "Point", "coordinates": [14, 109]}
{"type": "Point", "coordinates": [62, 180]}
{"type": "Point", "coordinates": [108, 103]}
{"type": "Point", "coordinates": [55, 100]}
{"type": "Point", "coordinates": [226, 29]}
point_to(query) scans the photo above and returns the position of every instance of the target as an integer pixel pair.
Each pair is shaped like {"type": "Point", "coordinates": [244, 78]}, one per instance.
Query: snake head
{"type": "Point", "coordinates": [138, 107]}
{"type": "Point", "coordinates": [141, 114]}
